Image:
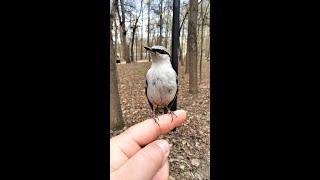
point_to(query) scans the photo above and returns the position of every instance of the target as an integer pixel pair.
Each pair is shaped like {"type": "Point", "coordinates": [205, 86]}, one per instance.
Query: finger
{"type": "Point", "coordinates": [145, 163]}
{"type": "Point", "coordinates": [147, 131]}
{"type": "Point", "coordinates": [117, 156]}
{"type": "Point", "coordinates": [163, 173]}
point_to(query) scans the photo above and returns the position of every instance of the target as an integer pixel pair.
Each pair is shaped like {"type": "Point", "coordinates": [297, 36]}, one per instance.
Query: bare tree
{"type": "Point", "coordinates": [123, 31]}
{"type": "Point", "coordinates": [149, 31]}
{"type": "Point", "coordinates": [181, 59]}
{"type": "Point", "coordinates": [161, 21]}
{"type": "Point", "coordinates": [112, 15]}
{"type": "Point", "coordinates": [200, 39]}
{"type": "Point", "coordinates": [116, 36]}
{"type": "Point", "coordinates": [134, 27]}
{"type": "Point", "coordinates": [153, 36]}
{"type": "Point", "coordinates": [136, 47]}
{"type": "Point", "coordinates": [116, 120]}
{"type": "Point", "coordinates": [201, 46]}
{"type": "Point", "coordinates": [141, 41]}
{"type": "Point", "coordinates": [167, 18]}
{"type": "Point", "coordinates": [192, 46]}
{"type": "Point", "coordinates": [182, 26]}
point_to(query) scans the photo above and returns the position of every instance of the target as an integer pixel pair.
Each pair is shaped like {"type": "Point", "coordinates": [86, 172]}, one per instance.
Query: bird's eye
{"type": "Point", "coordinates": [161, 51]}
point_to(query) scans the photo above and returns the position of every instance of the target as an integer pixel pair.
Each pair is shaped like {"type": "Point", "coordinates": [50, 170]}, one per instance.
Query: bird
{"type": "Point", "coordinates": [161, 84]}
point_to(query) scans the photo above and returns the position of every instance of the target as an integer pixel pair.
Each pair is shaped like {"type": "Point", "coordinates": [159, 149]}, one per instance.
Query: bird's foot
{"type": "Point", "coordinates": [156, 119]}
{"type": "Point", "coordinates": [172, 114]}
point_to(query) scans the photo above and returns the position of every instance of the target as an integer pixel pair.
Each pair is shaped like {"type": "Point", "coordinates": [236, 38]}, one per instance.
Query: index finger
{"type": "Point", "coordinates": [147, 131]}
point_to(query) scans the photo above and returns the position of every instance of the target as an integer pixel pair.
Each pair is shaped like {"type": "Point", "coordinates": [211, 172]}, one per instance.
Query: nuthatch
{"type": "Point", "coordinates": [161, 82]}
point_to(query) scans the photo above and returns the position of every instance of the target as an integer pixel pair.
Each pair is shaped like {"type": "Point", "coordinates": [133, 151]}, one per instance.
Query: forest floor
{"type": "Point", "coordinates": [190, 146]}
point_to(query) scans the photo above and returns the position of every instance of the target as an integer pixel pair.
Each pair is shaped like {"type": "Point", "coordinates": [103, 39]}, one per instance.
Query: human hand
{"type": "Point", "coordinates": [135, 155]}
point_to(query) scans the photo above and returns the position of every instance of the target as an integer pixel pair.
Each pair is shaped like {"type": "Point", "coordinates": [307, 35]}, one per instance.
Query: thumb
{"type": "Point", "coordinates": [145, 163]}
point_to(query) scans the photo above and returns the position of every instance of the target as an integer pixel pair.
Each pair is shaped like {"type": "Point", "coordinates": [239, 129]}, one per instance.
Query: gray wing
{"type": "Point", "coordinates": [146, 92]}
{"type": "Point", "coordinates": [175, 96]}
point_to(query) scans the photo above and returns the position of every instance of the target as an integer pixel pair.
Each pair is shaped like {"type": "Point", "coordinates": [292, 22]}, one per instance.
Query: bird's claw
{"type": "Point", "coordinates": [172, 114]}
{"type": "Point", "coordinates": [156, 119]}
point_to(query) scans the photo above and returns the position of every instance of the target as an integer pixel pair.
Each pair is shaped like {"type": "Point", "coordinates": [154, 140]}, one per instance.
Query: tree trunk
{"type": "Point", "coordinates": [116, 38]}
{"type": "Point", "coordinates": [153, 36]}
{"type": "Point", "coordinates": [201, 45]}
{"type": "Point", "coordinates": [149, 31]}
{"type": "Point", "coordinates": [181, 47]}
{"type": "Point", "coordinates": [187, 62]}
{"type": "Point", "coordinates": [167, 17]}
{"type": "Point", "coordinates": [113, 28]}
{"type": "Point", "coordinates": [181, 56]}
{"type": "Point", "coordinates": [116, 120]}
{"type": "Point", "coordinates": [134, 28]}
{"type": "Point", "coordinates": [209, 50]}
{"type": "Point", "coordinates": [182, 27]}
{"type": "Point", "coordinates": [132, 39]}
{"type": "Point", "coordinates": [160, 23]}
{"type": "Point", "coordinates": [141, 41]}
{"type": "Point", "coordinates": [132, 42]}
{"type": "Point", "coordinates": [192, 47]}
{"type": "Point", "coordinates": [187, 56]}
{"type": "Point", "coordinates": [125, 50]}
{"type": "Point", "coordinates": [137, 47]}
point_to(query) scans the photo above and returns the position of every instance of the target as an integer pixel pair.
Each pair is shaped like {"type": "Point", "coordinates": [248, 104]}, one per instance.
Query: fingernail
{"type": "Point", "coordinates": [164, 146]}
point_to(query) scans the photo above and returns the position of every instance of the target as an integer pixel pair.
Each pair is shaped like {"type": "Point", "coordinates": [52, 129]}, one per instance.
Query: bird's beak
{"type": "Point", "coordinates": [150, 50]}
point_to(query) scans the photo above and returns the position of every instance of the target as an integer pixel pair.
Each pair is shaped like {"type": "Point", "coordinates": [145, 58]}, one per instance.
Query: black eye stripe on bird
{"type": "Point", "coordinates": [161, 51]}
{"type": "Point", "coordinates": [155, 49]}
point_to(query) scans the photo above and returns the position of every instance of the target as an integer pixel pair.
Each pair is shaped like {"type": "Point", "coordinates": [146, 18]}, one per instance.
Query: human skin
{"type": "Point", "coordinates": [135, 154]}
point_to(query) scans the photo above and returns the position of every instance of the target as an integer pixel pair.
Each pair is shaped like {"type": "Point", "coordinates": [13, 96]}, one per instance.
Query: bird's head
{"type": "Point", "coordinates": [158, 53]}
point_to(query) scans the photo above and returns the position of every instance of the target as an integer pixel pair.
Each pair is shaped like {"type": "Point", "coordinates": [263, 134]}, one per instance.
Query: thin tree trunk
{"type": "Point", "coordinates": [118, 47]}
{"type": "Point", "coordinates": [137, 47]}
{"type": "Point", "coordinates": [167, 34]}
{"type": "Point", "coordinates": [149, 31]}
{"type": "Point", "coordinates": [192, 47]}
{"type": "Point", "coordinates": [187, 56]}
{"type": "Point", "coordinates": [201, 42]}
{"type": "Point", "coordinates": [181, 49]}
{"type": "Point", "coordinates": [112, 14]}
{"type": "Point", "coordinates": [125, 52]}
{"type": "Point", "coordinates": [134, 32]}
{"type": "Point", "coordinates": [116, 37]}
{"type": "Point", "coordinates": [153, 36]}
{"type": "Point", "coordinates": [182, 27]}
{"type": "Point", "coordinates": [181, 56]}
{"type": "Point", "coordinates": [141, 41]}
{"type": "Point", "coordinates": [209, 50]}
{"type": "Point", "coordinates": [187, 63]}
{"type": "Point", "coordinates": [167, 12]}
{"type": "Point", "coordinates": [116, 120]}
{"type": "Point", "coordinates": [201, 46]}
{"type": "Point", "coordinates": [132, 40]}
{"type": "Point", "coordinates": [160, 22]}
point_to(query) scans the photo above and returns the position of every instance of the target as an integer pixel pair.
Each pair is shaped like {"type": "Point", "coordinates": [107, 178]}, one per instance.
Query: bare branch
{"type": "Point", "coordinates": [183, 20]}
